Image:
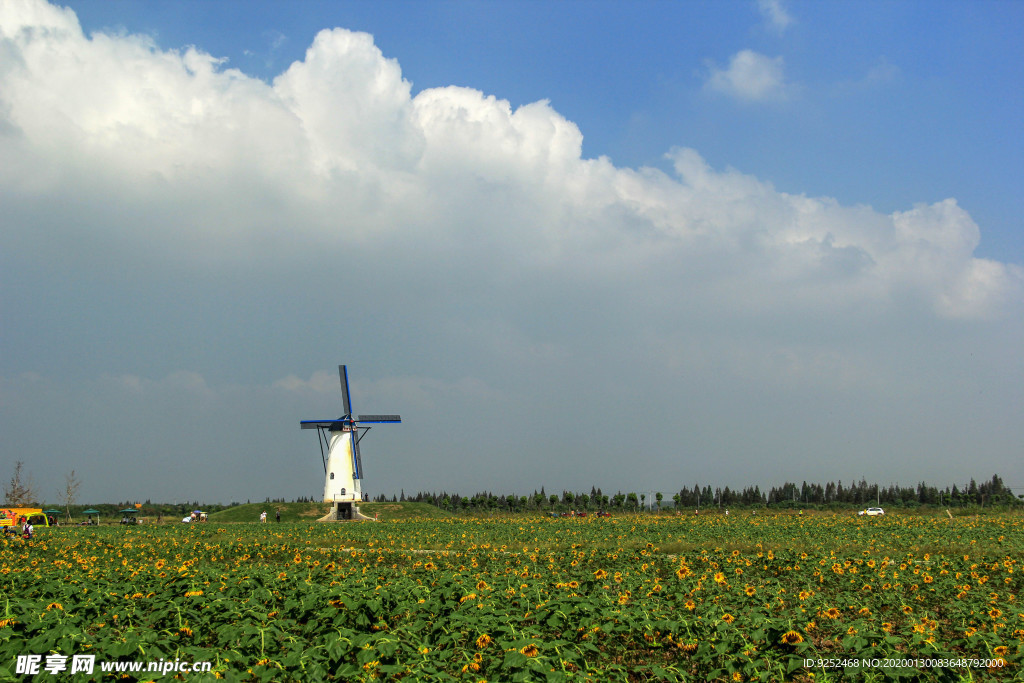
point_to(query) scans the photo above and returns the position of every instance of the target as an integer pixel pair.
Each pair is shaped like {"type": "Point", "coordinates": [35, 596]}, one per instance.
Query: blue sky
{"type": "Point", "coordinates": [627, 245]}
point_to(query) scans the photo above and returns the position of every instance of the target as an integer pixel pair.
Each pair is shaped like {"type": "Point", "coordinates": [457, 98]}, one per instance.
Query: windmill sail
{"type": "Point", "coordinates": [343, 371]}
{"type": "Point", "coordinates": [357, 461]}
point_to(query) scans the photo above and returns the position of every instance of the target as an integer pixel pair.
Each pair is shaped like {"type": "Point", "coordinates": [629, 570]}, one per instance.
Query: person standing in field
{"type": "Point", "coordinates": [263, 517]}
{"type": "Point", "coordinates": [278, 516]}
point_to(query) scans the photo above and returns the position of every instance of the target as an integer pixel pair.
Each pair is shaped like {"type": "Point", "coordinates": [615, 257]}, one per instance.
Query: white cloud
{"type": "Point", "coordinates": [750, 76]}
{"type": "Point", "coordinates": [881, 72]}
{"type": "Point", "coordinates": [185, 383]}
{"type": "Point", "coordinates": [337, 149]}
{"type": "Point", "coordinates": [775, 14]}
{"type": "Point", "coordinates": [880, 75]}
{"type": "Point", "coordinates": [320, 382]}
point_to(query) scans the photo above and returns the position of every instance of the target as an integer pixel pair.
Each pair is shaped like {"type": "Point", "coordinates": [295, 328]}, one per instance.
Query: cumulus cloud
{"type": "Point", "coordinates": [750, 76]}
{"type": "Point", "coordinates": [202, 215]}
{"type": "Point", "coordinates": [339, 141]}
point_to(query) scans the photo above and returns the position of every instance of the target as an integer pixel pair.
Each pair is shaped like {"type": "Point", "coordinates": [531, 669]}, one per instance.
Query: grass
{"type": "Point", "coordinates": [394, 511]}
{"type": "Point", "coordinates": [311, 512]}
{"type": "Point", "coordinates": [290, 512]}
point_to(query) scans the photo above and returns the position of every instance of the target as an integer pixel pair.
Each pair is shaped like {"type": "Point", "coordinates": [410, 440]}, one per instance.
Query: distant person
{"type": "Point", "coordinates": [263, 517]}
{"type": "Point", "coordinates": [27, 531]}
{"type": "Point", "coordinates": [278, 515]}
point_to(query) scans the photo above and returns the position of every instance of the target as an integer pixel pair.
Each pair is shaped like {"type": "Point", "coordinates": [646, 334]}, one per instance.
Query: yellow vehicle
{"type": "Point", "coordinates": [12, 516]}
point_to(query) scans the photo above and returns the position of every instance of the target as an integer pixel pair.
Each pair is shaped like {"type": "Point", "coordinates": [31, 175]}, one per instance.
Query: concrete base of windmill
{"type": "Point", "coordinates": [345, 512]}
{"type": "Point", "coordinates": [361, 517]}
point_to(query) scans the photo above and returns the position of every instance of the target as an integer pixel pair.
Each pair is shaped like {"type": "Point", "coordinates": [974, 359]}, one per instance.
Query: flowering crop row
{"type": "Point", "coordinates": [633, 599]}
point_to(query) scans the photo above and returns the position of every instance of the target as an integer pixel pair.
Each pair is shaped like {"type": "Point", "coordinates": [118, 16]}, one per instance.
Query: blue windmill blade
{"type": "Point", "coordinates": [379, 418]}
{"type": "Point", "coordinates": [343, 372]}
{"type": "Point", "coordinates": [316, 424]}
{"type": "Point", "coordinates": [357, 460]}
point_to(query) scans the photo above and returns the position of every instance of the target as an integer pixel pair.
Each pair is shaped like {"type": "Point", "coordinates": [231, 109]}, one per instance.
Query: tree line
{"type": "Point", "coordinates": [788, 495]}
{"type": "Point", "coordinates": [21, 491]}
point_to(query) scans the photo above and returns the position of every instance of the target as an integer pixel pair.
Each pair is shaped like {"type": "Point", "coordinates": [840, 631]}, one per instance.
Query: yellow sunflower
{"type": "Point", "coordinates": [530, 650]}
{"type": "Point", "coordinates": [792, 638]}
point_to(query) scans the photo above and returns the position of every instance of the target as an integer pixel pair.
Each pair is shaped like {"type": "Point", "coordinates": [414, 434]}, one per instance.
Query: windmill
{"type": "Point", "coordinates": [343, 466]}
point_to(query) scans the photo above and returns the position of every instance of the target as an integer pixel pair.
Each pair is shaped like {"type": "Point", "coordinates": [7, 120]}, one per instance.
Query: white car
{"type": "Point", "coordinates": [871, 512]}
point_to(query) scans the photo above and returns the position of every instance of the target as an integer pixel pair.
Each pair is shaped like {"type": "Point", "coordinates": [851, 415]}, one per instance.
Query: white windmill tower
{"type": "Point", "coordinates": [343, 467]}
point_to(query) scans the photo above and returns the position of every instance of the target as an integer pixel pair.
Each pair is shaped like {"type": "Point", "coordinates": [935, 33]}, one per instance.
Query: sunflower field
{"type": "Point", "coordinates": [632, 598]}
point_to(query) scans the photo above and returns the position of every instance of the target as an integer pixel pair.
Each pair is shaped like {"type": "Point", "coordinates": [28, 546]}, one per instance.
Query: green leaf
{"type": "Point", "coordinates": [514, 659]}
